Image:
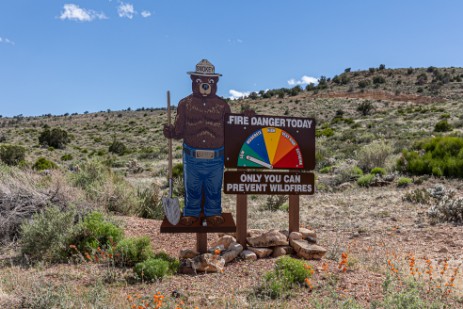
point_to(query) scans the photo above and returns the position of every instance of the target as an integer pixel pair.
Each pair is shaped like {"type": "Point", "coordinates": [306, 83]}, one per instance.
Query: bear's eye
{"type": "Point", "coordinates": [211, 81]}
{"type": "Point", "coordinates": [199, 81]}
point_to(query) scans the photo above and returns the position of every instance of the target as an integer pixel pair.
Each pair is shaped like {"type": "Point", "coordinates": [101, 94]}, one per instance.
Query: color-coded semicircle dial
{"type": "Point", "coordinates": [271, 148]}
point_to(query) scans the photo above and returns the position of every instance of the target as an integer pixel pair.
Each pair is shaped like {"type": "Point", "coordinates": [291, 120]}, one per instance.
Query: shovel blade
{"type": "Point", "coordinates": [171, 210]}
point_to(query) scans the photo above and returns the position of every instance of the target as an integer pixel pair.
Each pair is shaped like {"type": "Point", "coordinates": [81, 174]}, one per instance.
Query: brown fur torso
{"type": "Point", "coordinates": [200, 121]}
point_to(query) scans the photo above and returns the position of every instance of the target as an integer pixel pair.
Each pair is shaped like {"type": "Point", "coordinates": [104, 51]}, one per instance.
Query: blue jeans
{"type": "Point", "coordinates": [202, 176]}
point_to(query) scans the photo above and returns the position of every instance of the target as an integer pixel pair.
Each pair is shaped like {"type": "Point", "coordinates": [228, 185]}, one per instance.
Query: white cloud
{"type": "Point", "coordinates": [74, 12]}
{"type": "Point", "coordinates": [146, 14]}
{"type": "Point", "coordinates": [305, 80]}
{"type": "Point", "coordinates": [126, 10]}
{"type": "Point", "coordinates": [6, 41]}
{"type": "Point", "coordinates": [235, 94]}
{"type": "Point", "coordinates": [235, 41]}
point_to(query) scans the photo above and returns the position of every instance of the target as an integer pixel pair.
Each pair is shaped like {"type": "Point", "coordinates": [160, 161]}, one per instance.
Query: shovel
{"type": "Point", "coordinates": [170, 205]}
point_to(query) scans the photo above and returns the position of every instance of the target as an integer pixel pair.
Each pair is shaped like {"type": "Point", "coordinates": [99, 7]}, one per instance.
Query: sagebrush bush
{"type": "Point", "coordinates": [43, 164]}
{"type": "Point", "coordinates": [373, 155]}
{"type": "Point", "coordinates": [130, 251]}
{"type": "Point", "coordinates": [274, 202]}
{"type": "Point", "coordinates": [117, 147]}
{"type": "Point", "coordinates": [346, 171]}
{"type": "Point", "coordinates": [439, 156]}
{"type": "Point", "coordinates": [12, 154]}
{"type": "Point", "coordinates": [56, 138]}
{"type": "Point", "coordinates": [47, 235]}
{"type": "Point", "coordinates": [150, 203]}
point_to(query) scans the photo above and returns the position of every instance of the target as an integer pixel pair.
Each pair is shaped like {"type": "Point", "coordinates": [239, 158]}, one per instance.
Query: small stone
{"type": "Point", "coordinates": [186, 267]}
{"type": "Point", "coordinates": [219, 247]}
{"type": "Point", "coordinates": [225, 240]}
{"type": "Point", "coordinates": [248, 255]}
{"type": "Point", "coordinates": [261, 252]}
{"type": "Point", "coordinates": [295, 236]}
{"type": "Point", "coordinates": [254, 232]}
{"type": "Point", "coordinates": [270, 239]}
{"type": "Point", "coordinates": [207, 262]}
{"type": "Point", "coordinates": [312, 240]}
{"type": "Point", "coordinates": [281, 250]}
{"type": "Point", "coordinates": [307, 233]}
{"type": "Point", "coordinates": [443, 250]}
{"type": "Point", "coordinates": [233, 251]}
{"type": "Point", "coordinates": [308, 251]}
{"type": "Point", "coordinates": [188, 254]}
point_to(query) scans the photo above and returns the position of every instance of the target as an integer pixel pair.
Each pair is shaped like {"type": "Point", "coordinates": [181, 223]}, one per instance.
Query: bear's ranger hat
{"type": "Point", "coordinates": [205, 68]}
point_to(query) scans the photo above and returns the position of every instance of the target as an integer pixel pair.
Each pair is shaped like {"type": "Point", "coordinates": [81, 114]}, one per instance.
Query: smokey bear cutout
{"type": "Point", "coordinates": [200, 124]}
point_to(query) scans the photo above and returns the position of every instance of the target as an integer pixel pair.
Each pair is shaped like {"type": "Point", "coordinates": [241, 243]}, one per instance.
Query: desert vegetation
{"type": "Point", "coordinates": [80, 204]}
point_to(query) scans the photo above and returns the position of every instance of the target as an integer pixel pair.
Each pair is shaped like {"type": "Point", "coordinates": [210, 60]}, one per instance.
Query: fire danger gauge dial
{"type": "Point", "coordinates": [270, 148]}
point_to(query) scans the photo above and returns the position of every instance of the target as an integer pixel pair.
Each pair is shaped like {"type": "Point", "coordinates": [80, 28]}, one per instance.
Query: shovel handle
{"type": "Point", "coordinates": [169, 121]}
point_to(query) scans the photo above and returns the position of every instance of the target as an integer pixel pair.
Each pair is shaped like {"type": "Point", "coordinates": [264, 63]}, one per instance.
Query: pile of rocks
{"type": "Point", "coordinates": [261, 244]}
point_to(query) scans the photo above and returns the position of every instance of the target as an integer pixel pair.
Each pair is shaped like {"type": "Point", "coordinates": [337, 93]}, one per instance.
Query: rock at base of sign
{"type": "Point", "coordinates": [188, 254]}
{"type": "Point", "coordinates": [281, 250]}
{"type": "Point", "coordinates": [308, 251]}
{"type": "Point", "coordinates": [306, 233]}
{"type": "Point", "coordinates": [234, 249]}
{"type": "Point", "coordinates": [270, 239]}
{"type": "Point", "coordinates": [225, 241]}
{"type": "Point", "coordinates": [207, 262]}
{"type": "Point", "coordinates": [261, 252]}
{"type": "Point", "coordinates": [248, 255]}
{"type": "Point", "coordinates": [295, 236]}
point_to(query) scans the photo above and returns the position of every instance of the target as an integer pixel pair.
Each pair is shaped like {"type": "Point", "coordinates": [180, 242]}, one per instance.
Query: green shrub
{"type": "Point", "coordinates": [66, 157]}
{"type": "Point", "coordinates": [379, 80]}
{"type": "Point", "coordinates": [324, 132]}
{"type": "Point", "coordinates": [365, 180]}
{"type": "Point", "coordinates": [117, 147]}
{"type": "Point", "coordinates": [47, 235]}
{"type": "Point", "coordinates": [130, 251]}
{"type": "Point", "coordinates": [56, 138]}
{"type": "Point", "coordinates": [326, 170]}
{"type": "Point", "coordinates": [43, 164]}
{"type": "Point", "coordinates": [155, 268]}
{"type": "Point", "coordinates": [439, 156]}
{"type": "Point", "coordinates": [287, 274]}
{"type": "Point", "coordinates": [173, 262]}
{"type": "Point", "coordinates": [378, 170]}
{"type": "Point", "coordinates": [97, 231]}
{"type": "Point", "coordinates": [404, 181]}
{"type": "Point", "coordinates": [12, 154]}
{"type": "Point", "coordinates": [443, 126]}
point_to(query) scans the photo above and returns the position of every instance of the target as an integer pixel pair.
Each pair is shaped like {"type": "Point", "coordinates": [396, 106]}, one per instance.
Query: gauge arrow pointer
{"type": "Point", "coordinates": [260, 162]}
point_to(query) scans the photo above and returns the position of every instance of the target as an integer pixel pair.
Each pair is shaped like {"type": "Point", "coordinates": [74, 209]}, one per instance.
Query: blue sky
{"type": "Point", "coordinates": [90, 55]}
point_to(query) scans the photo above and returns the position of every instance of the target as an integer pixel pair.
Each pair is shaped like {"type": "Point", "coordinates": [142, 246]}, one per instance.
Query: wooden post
{"type": "Point", "coordinates": [201, 242]}
{"type": "Point", "coordinates": [294, 213]}
{"type": "Point", "coordinates": [241, 218]}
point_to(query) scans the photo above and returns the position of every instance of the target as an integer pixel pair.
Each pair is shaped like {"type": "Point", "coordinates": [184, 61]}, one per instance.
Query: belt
{"type": "Point", "coordinates": [203, 153]}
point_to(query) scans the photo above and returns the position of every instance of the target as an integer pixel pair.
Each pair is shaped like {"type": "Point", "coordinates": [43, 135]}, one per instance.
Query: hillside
{"type": "Point", "coordinates": [383, 220]}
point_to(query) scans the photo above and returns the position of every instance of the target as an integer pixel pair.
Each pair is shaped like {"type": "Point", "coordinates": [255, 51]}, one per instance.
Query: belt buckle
{"type": "Point", "coordinates": [204, 154]}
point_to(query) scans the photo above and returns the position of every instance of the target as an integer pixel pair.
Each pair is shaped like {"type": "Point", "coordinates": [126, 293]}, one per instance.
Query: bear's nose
{"type": "Point", "coordinates": [205, 86]}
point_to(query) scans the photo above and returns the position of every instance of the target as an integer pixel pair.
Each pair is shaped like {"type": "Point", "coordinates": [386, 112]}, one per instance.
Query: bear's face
{"type": "Point", "coordinates": [204, 86]}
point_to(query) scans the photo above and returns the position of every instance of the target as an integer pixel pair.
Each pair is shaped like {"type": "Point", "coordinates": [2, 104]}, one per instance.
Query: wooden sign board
{"type": "Point", "coordinates": [269, 142]}
{"type": "Point", "coordinates": [283, 183]}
